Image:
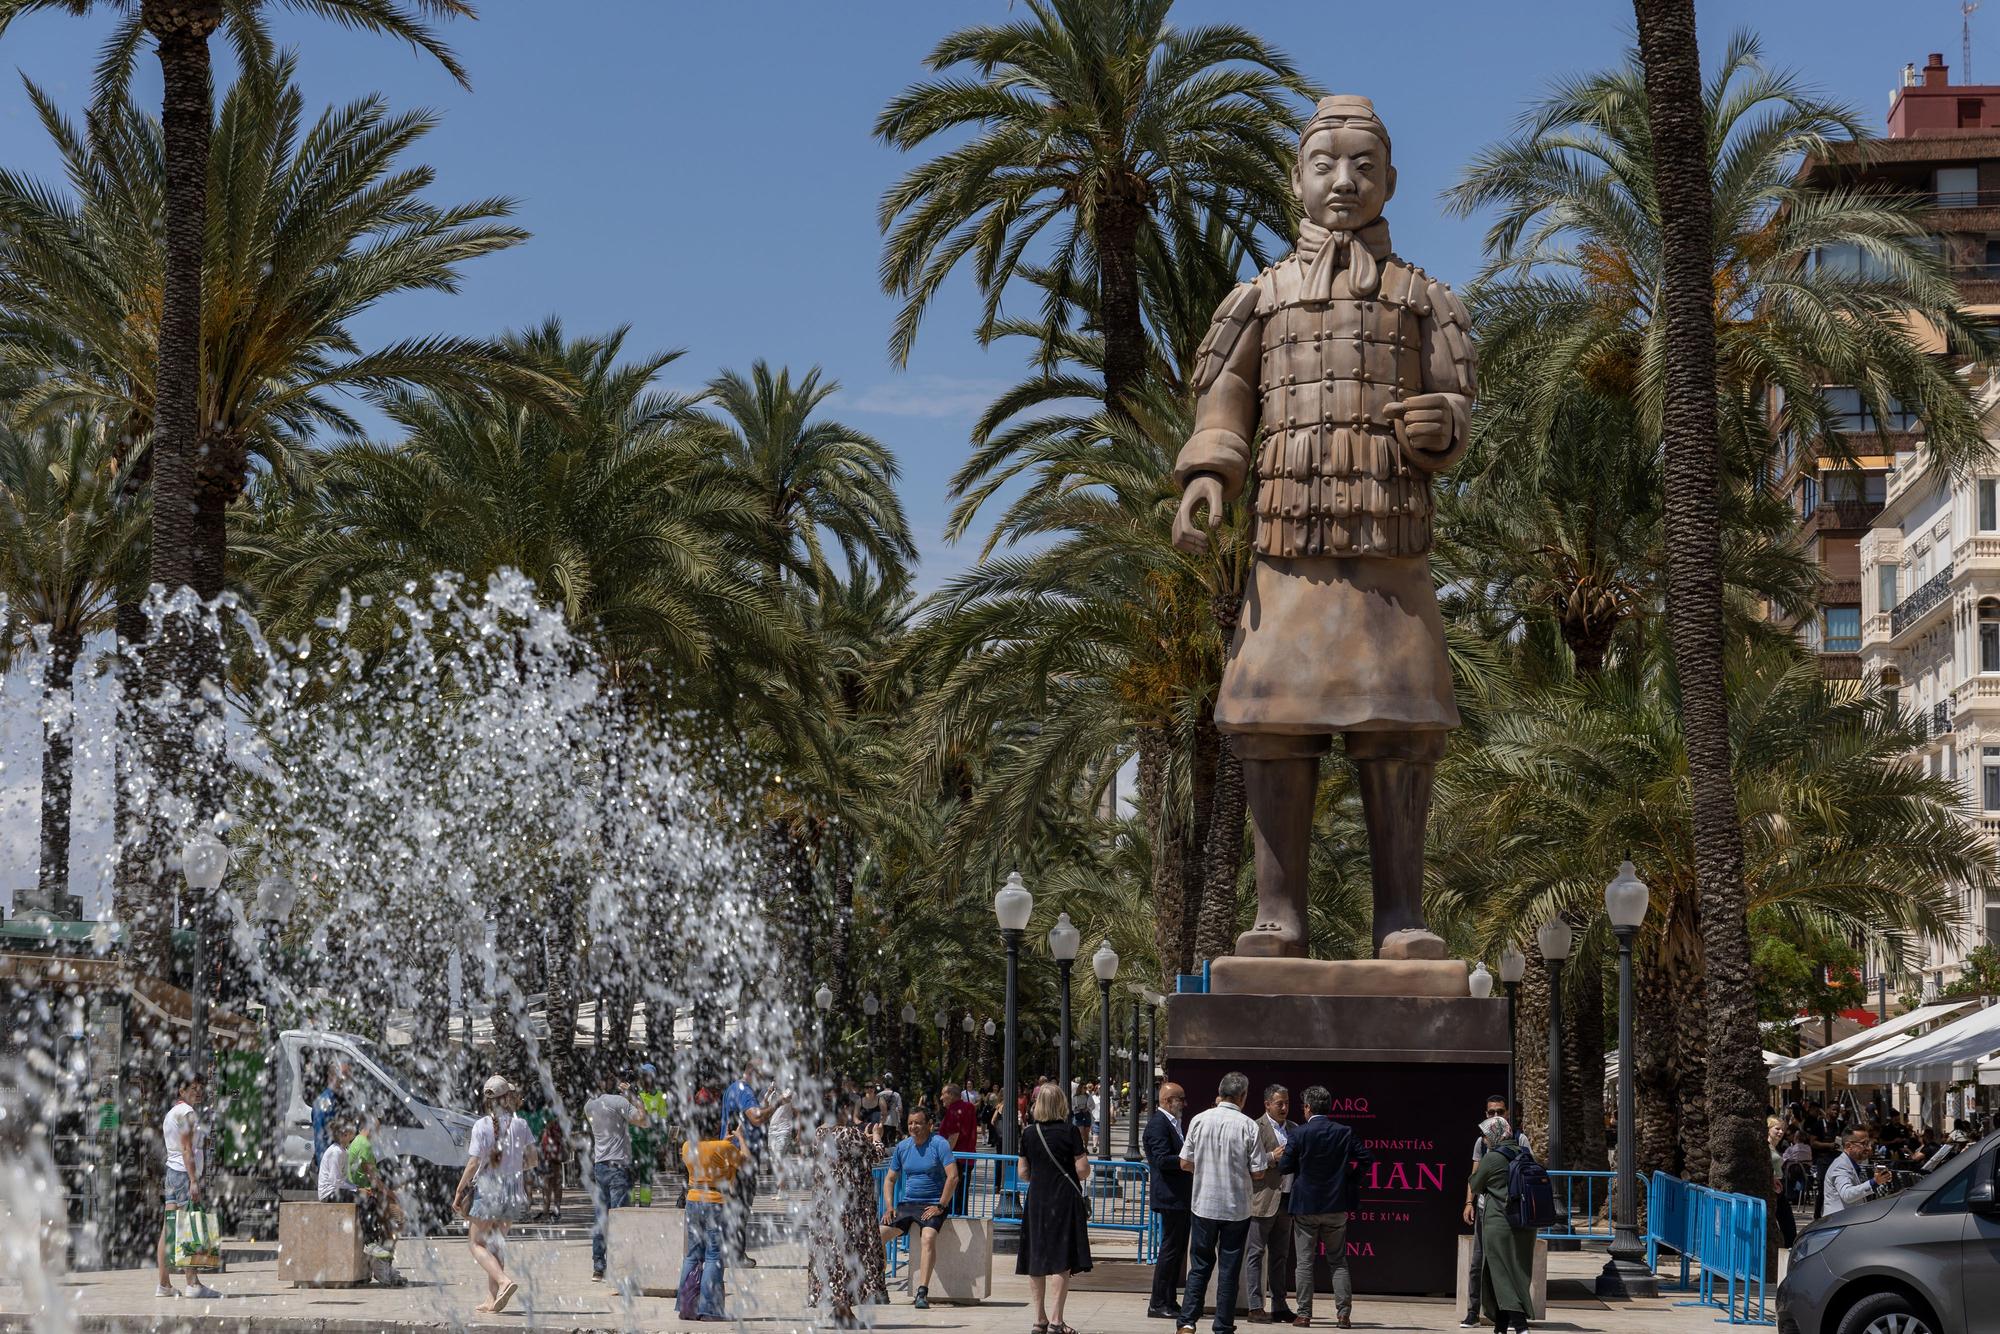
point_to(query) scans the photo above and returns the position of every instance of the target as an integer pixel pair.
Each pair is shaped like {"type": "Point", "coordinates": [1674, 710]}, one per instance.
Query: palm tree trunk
{"type": "Point", "coordinates": [58, 746]}
{"type": "Point", "coordinates": [1222, 841]}
{"type": "Point", "coordinates": [561, 990]}
{"type": "Point", "coordinates": [1531, 1061]}
{"type": "Point", "coordinates": [1655, 1028]}
{"type": "Point", "coordinates": [1583, 1064]}
{"type": "Point", "coordinates": [1735, 1069]}
{"type": "Point", "coordinates": [1194, 835]}
{"type": "Point", "coordinates": [1169, 907]}
{"type": "Point", "coordinates": [1117, 244]}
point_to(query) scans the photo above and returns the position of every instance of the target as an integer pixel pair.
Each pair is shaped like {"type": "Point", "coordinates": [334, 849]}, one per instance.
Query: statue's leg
{"type": "Point", "coordinates": [1280, 781]}
{"type": "Point", "coordinates": [1395, 771]}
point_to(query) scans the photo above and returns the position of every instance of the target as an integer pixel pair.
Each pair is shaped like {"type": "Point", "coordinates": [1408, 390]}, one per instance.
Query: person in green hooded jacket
{"type": "Point", "coordinates": [1506, 1276]}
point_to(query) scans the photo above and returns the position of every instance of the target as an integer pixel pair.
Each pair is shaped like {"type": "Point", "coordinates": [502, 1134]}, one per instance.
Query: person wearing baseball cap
{"type": "Point", "coordinates": [491, 1193]}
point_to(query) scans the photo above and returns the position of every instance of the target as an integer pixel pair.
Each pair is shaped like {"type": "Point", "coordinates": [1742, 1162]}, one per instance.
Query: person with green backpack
{"type": "Point", "coordinates": [1501, 1202]}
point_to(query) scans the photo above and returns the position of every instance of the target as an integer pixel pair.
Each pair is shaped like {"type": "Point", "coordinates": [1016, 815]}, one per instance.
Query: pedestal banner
{"type": "Point", "coordinates": [1420, 1121]}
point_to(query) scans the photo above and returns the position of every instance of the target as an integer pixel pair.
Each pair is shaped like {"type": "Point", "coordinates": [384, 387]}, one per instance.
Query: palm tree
{"type": "Point", "coordinates": [616, 510]}
{"type": "Point", "coordinates": [810, 477]}
{"type": "Point", "coordinates": [1842, 839]}
{"type": "Point", "coordinates": [310, 226]}
{"type": "Point", "coordinates": [1101, 118]}
{"type": "Point", "coordinates": [1738, 1153]}
{"type": "Point", "coordinates": [1621, 198]}
{"type": "Point", "coordinates": [69, 545]}
{"type": "Point", "coordinates": [194, 489]}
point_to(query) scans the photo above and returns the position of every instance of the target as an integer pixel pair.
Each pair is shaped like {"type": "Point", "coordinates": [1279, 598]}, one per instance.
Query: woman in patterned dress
{"type": "Point", "coordinates": [847, 1267]}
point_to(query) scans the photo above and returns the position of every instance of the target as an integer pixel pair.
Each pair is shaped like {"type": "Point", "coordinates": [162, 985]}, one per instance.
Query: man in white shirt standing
{"type": "Point", "coordinates": [611, 1116]}
{"type": "Point", "coordinates": [1224, 1154]}
{"type": "Point", "coordinates": [1847, 1181]}
{"type": "Point", "coordinates": [181, 1133]}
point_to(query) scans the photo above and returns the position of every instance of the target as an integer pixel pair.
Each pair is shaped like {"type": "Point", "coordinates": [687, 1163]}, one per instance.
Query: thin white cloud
{"type": "Point", "coordinates": [927, 396]}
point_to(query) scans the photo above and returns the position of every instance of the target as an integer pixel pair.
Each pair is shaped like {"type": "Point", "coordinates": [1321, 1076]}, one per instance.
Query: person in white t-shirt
{"type": "Point", "coordinates": [611, 1116]}
{"type": "Point", "coordinates": [181, 1133]}
{"type": "Point", "coordinates": [491, 1193]}
{"type": "Point", "coordinates": [1225, 1156]}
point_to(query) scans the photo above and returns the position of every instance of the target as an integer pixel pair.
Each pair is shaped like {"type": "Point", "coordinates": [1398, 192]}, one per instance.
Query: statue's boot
{"type": "Point", "coordinates": [1395, 771]}
{"type": "Point", "coordinates": [1279, 792]}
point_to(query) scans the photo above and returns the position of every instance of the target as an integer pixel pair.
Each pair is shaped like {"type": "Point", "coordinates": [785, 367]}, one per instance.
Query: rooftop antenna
{"type": "Point", "coordinates": [1965, 10]}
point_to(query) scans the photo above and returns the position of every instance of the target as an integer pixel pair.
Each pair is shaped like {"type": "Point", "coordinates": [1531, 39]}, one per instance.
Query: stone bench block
{"type": "Point", "coordinates": [644, 1249]}
{"type": "Point", "coordinates": [964, 1271]}
{"type": "Point", "coordinates": [1539, 1279]}
{"type": "Point", "coordinates": [319, 1245]}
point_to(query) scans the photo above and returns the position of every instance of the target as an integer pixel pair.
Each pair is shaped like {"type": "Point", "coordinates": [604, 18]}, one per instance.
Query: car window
{"type": "Point", "coordinates": [1949, 1197]}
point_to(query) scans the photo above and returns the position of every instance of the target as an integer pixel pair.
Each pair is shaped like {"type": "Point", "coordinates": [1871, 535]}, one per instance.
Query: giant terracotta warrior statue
{"type": "Point", "coordinates": [1345, 375]}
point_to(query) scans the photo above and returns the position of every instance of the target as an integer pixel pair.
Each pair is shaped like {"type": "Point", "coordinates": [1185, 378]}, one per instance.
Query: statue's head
{"type": "Point", "coordinates": [1343, 176]}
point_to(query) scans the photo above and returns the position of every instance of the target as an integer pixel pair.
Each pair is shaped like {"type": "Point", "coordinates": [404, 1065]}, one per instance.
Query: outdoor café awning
{"type": "Point", "coordinates": [1869, 1042]}
{"type": "Point", "coordinates": [1944, 1055]}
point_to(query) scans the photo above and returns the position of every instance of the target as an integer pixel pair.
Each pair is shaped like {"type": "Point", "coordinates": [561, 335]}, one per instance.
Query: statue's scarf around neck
{"type": "Point", "coordinates": [1324, 252]}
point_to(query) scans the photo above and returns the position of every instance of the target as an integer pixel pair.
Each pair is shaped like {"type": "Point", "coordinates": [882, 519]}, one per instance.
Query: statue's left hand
{"type": "Point", "coordinates": [1424, 422]}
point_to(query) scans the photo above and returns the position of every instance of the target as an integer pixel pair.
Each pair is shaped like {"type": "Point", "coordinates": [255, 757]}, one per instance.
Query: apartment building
{"type": "Point", "coordinates": [1930, 629]}
{"type": "Point", "coordinates": [1942, 142]}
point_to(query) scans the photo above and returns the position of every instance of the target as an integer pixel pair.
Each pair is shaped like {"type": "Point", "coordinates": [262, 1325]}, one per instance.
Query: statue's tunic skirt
{"type": "Point", "coordinates": [1373, 619]}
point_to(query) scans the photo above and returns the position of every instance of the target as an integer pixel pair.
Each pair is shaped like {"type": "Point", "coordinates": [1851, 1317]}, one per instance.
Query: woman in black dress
{"type": "Point", "coordinates": [1055, 1222]}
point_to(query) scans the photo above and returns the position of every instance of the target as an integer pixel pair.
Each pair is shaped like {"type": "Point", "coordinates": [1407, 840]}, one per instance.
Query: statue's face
{"type": "Point", "coordinates": [1344, 177]}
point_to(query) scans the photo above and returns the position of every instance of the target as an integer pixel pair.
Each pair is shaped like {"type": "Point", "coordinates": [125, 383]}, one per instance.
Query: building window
{"type": "Point", "coordinates": [1848, 411]}
{"type": "Point", "coordinates": [1992, 922]}
{"type": "Point", "coordinates": [1808, 497]}
{"type": "Point", "coordinates": [1843, 630]}
{"type": "Point", "coordinates": [1989, 635]}
{"type": "Point", "coordinates": [1958, 187]}
{"type": "Point", "coordinates": [1885, 585]}
{"type": "Point", "coordinates": [1989, 504]}
{"type": "Point", "coordinates": [1969, 110]}
{"type": "Point", "coordinates": [1989, 778]}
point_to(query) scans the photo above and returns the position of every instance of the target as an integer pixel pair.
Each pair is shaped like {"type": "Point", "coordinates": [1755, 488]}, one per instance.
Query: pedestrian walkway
{"type": "Point", "coordinates": [556, 1294]}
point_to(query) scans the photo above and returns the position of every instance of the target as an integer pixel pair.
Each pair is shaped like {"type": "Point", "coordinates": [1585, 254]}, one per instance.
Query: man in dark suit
{"type": "Point", "coordinates": [1327, 1162]}
{"type": "Point", "coordinates": [1172, 1188]}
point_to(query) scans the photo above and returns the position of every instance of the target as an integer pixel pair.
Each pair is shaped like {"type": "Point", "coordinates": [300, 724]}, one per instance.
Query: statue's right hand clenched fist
{"type": "Point", "coordinates": [1190, 533]}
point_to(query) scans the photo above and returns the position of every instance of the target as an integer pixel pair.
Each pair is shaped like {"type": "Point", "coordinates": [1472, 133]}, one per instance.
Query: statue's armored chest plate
{"type": "Point", "coordinates": [1332, 479]}
{"type": "Point", "coordinates": [1338, 362]}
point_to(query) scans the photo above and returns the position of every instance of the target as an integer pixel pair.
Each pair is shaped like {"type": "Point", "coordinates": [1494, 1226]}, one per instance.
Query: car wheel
{"type": "Point", "coordinates": [1885, 1313]}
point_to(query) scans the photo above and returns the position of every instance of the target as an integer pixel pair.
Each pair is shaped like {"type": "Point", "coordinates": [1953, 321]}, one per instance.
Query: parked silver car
{"type": "Point", "coordinates": [1917, 1262]}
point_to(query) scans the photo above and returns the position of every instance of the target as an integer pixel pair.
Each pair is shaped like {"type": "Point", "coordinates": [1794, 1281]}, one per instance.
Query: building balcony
{"type": "Point", "coordinates": [1933, 596]}
{"type": "Point", "coordinates": [1840, 666]}
{"type": "Point", "coordinates": [1978, 696]}
{"type": "Point", "coordinates": [1979, 291]}
{"type": "Point", "coordinates": [1942, 719]}
{"type": "Point", "coordinates": [1989, 825]}
{"type": "Point", "coordinates": [1843, 515]}
{"type": "Point", "coordinates": [1875, 629]}
{"type": "Point", "coordinates": [1977, 555]}
{"type": "Point", "coordinates": [1840, 593]}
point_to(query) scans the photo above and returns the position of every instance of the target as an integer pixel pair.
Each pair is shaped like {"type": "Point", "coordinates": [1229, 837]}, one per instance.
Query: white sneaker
{"type": "Point", "coordinates": [164, 1290]}
{"type": "Point", "coordinates": [201, 1290]}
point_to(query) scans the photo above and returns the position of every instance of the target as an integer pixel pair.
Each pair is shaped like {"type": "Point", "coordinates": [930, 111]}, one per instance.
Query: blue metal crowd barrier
{"type": "Point", "coordinates": [1584, 1195]}
{"type": "Point", "coordinates": [1722, 1234]}
{"type": "Point", "coordinates": [1119, 1191]}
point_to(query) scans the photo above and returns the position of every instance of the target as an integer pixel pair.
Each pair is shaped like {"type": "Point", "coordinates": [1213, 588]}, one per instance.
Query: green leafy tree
{"type": "Point", "coordinates": [1093, 124]}
{"type": "Point", "coordinates": [70, 544]}
{"type": "Point", "coordinates": [1651, 241]}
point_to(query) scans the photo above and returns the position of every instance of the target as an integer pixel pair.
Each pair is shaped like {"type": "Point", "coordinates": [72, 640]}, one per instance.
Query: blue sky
{"type": "Point", "coordinates": [704, 171]}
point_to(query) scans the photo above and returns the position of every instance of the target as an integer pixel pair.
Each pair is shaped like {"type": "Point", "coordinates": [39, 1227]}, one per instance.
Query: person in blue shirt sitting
{"type": "Point", "coordinates": [327, 1106]}
{"type": "Point", "coordinates": [928, 1169]}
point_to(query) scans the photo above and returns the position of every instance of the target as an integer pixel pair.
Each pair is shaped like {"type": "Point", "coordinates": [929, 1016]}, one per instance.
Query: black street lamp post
{"type": "Point", "coordinates": [1626, 1273]}
{"type": "Point", "coordinates": [1064, 941]}
{"type": "Point", "coordinates": [1105, 964]}
{"type": "Point", "coordinates": [1132, 1093]}
{"type": "Point", "coordinates": [1012, 906]}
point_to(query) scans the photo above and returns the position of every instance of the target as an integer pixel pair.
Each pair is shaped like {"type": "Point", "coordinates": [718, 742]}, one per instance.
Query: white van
{"type": "Point", "coordinates": [429, 1141]}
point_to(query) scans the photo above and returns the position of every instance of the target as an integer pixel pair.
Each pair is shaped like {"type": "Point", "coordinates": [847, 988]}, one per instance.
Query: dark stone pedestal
{"type": "Point", "coordinates": [1410, 1074]}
